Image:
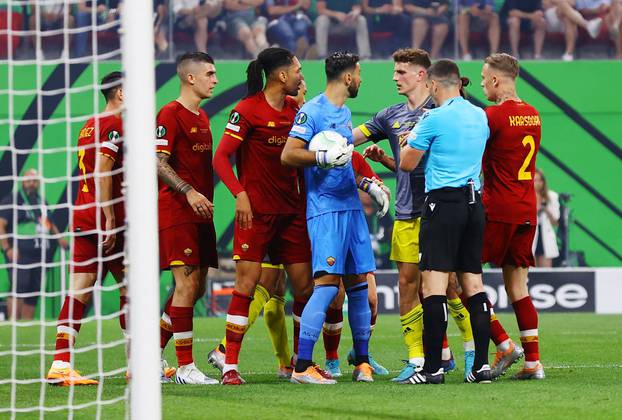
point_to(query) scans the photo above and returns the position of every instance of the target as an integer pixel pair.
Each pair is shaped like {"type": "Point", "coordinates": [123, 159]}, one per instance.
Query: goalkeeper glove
{"type": "Point", "coordinates": [336, 156]}
{"type": "Point", "coordinates": [377, 193]}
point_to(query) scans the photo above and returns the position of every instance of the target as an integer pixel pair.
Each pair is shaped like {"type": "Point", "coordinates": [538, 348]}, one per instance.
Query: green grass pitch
{"type": "Point", "coordinates": [581, 354]}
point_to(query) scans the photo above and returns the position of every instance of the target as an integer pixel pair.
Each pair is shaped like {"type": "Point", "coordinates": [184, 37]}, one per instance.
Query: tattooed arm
{"type": "Point", "coordinates": [200, 204]}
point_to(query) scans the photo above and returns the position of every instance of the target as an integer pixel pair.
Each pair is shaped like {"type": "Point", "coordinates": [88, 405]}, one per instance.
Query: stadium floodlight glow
{"type": "Point", "coordinates": [140, 171]}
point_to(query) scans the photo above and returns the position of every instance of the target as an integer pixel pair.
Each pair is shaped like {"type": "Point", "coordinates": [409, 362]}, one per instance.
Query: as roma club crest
{"type": "Point", "coordinates": [330, 261]}
{"type": "Point", "coordinates": [187, 252]}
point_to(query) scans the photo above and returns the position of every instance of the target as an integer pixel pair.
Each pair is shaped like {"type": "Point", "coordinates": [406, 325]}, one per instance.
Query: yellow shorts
{"type": "Point", "coordinates": [405, 241]}
{"type": "Point", "coordinates": [275, 266]}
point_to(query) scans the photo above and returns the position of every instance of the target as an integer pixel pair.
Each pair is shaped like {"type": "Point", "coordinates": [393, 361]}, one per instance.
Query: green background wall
{"type": "Point", "coordinates": [589, 88]}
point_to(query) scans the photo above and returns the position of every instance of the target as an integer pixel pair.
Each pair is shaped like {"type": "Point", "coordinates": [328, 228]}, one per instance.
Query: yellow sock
{"type": "Point", "coordinates": [259, 301]}
{"type": "Point", "coordinates": [412, 329]}
{"type": "Point", "coordinates": [274, 316]}
{"type": "Point", "coordinates": [463, 320]}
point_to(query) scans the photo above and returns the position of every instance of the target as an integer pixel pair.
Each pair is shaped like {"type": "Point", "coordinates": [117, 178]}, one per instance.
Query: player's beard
{"type": "Point", "coordinates": [353, 90]}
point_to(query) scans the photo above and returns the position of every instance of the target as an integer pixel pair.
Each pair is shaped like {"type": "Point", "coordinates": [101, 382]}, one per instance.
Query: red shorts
{"type": "Point", "coordinates": [283, 237]}
{"type": "Point", "coordinates": [89, 258]}
{"type": "Point", "coordinates": [508, 244]}
{"type": "Point", "coordinates": [188, 244]}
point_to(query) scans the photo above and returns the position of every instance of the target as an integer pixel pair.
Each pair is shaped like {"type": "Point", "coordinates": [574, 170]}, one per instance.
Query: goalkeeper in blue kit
{"type": "Point", "coordinates": [340, 243]}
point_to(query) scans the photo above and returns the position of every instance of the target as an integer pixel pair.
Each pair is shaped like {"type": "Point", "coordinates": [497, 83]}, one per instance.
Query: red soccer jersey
{"type": "Point", "coordinates": [271, 187]}
{"type": "Point", "coordinates": [509, 162]}
{"type": "Point", "coordinates": [361, 167]}
{"type": "Point", "coordinates": [187, 138]}
{"type": "Point", "coordinates": [103, 136]}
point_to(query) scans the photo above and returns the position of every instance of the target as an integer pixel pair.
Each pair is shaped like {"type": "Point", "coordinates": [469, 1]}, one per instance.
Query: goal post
{"type": "Point", "coordinates": [140, 171]}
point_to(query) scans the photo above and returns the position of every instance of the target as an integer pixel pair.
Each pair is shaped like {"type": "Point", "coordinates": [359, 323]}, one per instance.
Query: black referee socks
{"type": "Point", "coordinates": [479, 310]}
{"type": "Point", "coordinates": [434, 327]}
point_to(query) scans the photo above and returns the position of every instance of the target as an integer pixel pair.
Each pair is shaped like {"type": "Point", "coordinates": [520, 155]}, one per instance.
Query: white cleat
{"type": "Point", "coordinates": [593, 27]}
{"type": "Point", "coordinates": [530, 373]}
{"type": "Point", "coordinates": [191, 375]}
{"type": "Point", "coordinates": [216, 358]}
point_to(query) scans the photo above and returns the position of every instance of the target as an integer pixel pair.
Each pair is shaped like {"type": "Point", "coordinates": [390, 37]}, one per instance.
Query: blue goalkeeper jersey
{"type": "Point", "coordinates": [328, 190]}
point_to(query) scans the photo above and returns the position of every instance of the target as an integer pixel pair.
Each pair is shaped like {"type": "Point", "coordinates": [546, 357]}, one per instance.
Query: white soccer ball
{"type": "Point", "coordinates": [326, 140]}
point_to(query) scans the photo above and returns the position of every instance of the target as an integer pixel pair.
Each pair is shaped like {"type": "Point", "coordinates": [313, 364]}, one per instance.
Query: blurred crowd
{"type": "Point", "coordinates": [565, 29]}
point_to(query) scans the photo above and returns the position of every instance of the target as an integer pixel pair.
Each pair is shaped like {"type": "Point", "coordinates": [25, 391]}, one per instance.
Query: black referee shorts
{"type": "Point", "coordinates": [452, 231]}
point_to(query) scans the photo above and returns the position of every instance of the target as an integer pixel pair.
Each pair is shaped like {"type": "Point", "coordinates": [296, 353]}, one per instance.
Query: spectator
{"type": "Point", "coordinates": [106, 11]}
{"type": "Point", "coordinates": [245, 25]}
{"type": "Point", "coordinates": [611, 10]}
{"type": "Point", "coordinates": [289, 24]}
{"type": "Point", "coordinates": [341, 17]}
{"type": "Point", "coordinates": [545, 241]}
{"type": "Point", "coordinates": [525, 15]}
{"type": "Point", "coordinates": [159, 26]}
{"type": "Point", "coordinates": [193, 14]}
{"type": "Point", "coordinates": [51, 17]}
{"type": "Point", "coordinates": [484, 11]}
{"type": "Point", "coordinates": [426, 13]}
{"type": "Point", "coordinates": [561, 16]}
{"type": "Point", "coordinates": [386, 16]}
{"type": "Point", "coordinates": [30, 250]}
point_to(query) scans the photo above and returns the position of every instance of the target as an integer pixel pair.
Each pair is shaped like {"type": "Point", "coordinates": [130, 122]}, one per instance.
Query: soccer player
{"type": "Point", "coordinates": [269, 215]}
{"type": "Point", "coordinates": [337, 228]}
{"type": "Point", "coordinates": [99, 206]}
{"type": "Point", "coordinates": [331, 332]}
{"type": "Point", "coordinates": [185, 209]}
{"type": "Point", "coordinates": [509, 166]}
{"type": "Point", "coordinates": [395, 123]}
{"type": "Point", "coordinates": [453, 137]}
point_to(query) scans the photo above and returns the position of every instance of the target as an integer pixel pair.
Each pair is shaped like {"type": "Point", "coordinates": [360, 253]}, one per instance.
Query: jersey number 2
{"type": "Point", "coordinates": [81, 153]}
{"type": "Point", "coordinates": [523, 173]}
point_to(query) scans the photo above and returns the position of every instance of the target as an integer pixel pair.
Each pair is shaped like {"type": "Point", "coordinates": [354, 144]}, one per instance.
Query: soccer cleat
{"type": "Point", "coordinates": [68, 377]}
{"type": "Point", "coordinates": [326, 374]}
{"type": "Point", "coordinates": [166, 372]}
{"type": "Point", "coordinates": [377, 367]}
{"type": "Point", "coordinates": [422, 378]}
{"type": "Point", "coordinates": [311, 376]}
{"type": "Point", "coordinates": [531, 373]}
{"type": "Point", "coordinates": [363, 373]}
{"type": "Point", "coordinates": [191, 375]}
{"type": "Point", "coordinates": [482, 376]}
{"type": "Point", "coordinates": [232, 377]}
{"type": "Point", "coordinates": [408, 371]}
{"type": "Point", "coordinates": [332, 367]}
{"type": "Point", "coordinates": [505, 359]}
{"type": "Point", "coordinates": [284, 372]}
{"type": "Point", "coordinates": [448, 365]}
{"type": "Point", "coordinates": [593, 27]}
{"type": "Point", "coordinates": [216, 358]}
{"type": "Point", "coordinates": [469, 359]}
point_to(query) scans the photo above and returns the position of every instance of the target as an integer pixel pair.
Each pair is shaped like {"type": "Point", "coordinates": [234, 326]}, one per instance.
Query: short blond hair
{"type": "Point", "coordinates": [504, 63]}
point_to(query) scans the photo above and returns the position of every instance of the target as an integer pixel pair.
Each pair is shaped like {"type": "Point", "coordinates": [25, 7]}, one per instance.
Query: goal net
{"type": "Point", "coordinates": [53, 56]}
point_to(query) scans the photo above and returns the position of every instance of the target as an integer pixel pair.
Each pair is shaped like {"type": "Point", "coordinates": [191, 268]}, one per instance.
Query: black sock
{"type": "Point", "coordinates": [479, 310]}
{"type": "Point", "coordinates": [302, 365]}
{"type": "Point", "coordinates": [361, 359]}
{"type": "Point", "coordinates": [434, 327]}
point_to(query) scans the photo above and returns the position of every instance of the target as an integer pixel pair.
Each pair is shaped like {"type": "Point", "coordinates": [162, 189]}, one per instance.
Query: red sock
{"type": "Point", "coordinates": [445, 342]}
{"type": "Point", "coordinates": [297, 308]}
{"type": "Point", "coordinates": [122, 303]}
{"type": "Point", "coordinates": [527, 318]}
{"type": "Point", "coordinates": [166, 328]}
{"type": "Point", "coordinates": [497, 332]}
{"type": "Point", "coordinates": [69, 322]}
{"type": "Point", "coordinates": [181, 319]}
{"type": "Point", "coordinates": [237, 323]}
{"type": "Point", "coordinates": [332, 332]}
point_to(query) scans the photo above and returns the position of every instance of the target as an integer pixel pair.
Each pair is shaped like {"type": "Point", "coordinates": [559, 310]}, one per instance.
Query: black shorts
{"type": "Point", "coordinates": [452, 231]}
{"type": "Point", "coordinates": [28, 280]}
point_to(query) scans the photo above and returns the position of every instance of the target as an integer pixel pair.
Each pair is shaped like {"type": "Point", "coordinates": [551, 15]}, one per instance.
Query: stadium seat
{"type": "Point", "coordinates": [16, 24]}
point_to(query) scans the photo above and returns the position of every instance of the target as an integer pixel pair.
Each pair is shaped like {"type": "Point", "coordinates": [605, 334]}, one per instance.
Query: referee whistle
{"type": "Point", "coordinates": [471, 185]}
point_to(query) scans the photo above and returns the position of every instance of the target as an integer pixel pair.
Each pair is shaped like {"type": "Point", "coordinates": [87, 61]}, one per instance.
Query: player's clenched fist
{"type": "Point", "coordinates": [374, 153]}
{"type": "Point", "coordinates": [201, 206]}
{"type": "Point", "coordinates": [243, 211]}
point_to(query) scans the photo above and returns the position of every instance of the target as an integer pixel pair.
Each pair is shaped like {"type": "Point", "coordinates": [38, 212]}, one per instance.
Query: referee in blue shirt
{"type": "Point", "coordinates": [452, 138]}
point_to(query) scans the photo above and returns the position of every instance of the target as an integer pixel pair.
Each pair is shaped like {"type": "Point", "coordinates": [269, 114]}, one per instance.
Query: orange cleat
{"type": "Point", "coordinates": [68, 377]}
